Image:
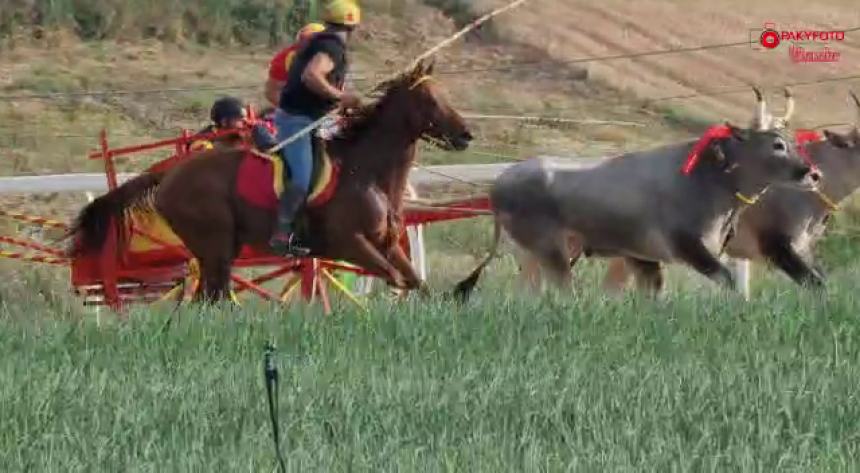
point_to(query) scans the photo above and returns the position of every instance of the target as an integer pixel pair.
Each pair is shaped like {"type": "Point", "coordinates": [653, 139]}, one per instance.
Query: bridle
{"type": "Point", "coordinates": [443, 143]}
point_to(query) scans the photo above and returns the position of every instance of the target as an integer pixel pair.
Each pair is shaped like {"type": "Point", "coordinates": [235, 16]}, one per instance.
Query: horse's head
{"type": "Point", "coordinates": [427, 110]}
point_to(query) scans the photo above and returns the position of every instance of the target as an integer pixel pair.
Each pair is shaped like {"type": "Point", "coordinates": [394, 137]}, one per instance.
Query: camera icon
{"type": "Point", "coordinates": [764, 38]}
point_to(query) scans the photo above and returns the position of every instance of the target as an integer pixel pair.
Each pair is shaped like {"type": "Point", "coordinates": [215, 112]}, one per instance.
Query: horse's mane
{"type": "Point", "coordinates": [366, 116]}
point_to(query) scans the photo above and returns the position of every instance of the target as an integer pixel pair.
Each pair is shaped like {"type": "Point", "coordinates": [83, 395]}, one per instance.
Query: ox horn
{"type": "Point", "coordinates": [761, 110]}
{"type": "Point", "coordinates": [856, 102]}
{"type": "Point", "coordinates": [789, 107]}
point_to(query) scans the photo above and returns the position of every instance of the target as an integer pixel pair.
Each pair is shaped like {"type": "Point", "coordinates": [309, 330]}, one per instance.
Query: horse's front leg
{"type": "Point", "coordinates": [367, 255]}
{"type": "Point", "coordinates": [397, 256]}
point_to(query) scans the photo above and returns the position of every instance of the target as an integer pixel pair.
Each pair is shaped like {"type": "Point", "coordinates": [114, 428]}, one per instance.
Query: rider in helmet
{"type": "Point", "coordinates": [314, 88]}
{"type": "Point", "coordinates": [227, 113]}
{"type": "Point", "coordinates": [279, 66]}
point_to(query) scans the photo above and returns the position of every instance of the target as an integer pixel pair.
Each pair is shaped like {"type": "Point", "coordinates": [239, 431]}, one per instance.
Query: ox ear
{"type": "Point", "coordinates": [837, 140]}
{"type": "Point", "coordinates": [739, 134]}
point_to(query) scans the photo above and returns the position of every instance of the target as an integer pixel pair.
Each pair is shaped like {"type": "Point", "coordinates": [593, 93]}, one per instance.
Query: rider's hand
{"type": "Point", "coordinates": [348, 100]}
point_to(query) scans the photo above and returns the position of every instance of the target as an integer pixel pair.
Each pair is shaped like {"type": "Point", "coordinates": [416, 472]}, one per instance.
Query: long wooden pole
{"type": "Point", "coordinates": [465, 30]}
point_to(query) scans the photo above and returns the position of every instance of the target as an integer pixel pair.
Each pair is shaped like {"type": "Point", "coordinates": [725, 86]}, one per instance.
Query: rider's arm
{"type": "Point", "coordinates": [314, 76]}
{"type": "Point", "coordinates": [273, 91]}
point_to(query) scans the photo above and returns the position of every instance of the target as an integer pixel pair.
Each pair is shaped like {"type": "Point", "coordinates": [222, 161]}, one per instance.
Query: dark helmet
{"type": "Point", "coordinates": [226, 108]}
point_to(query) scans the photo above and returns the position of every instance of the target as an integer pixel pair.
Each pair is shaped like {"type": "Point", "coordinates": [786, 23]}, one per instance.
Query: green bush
{"type": "Point", "coordinates": [204, 21]}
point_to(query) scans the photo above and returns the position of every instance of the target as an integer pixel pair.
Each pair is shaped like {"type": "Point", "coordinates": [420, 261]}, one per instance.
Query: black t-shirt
{"type": "Point", "coordinates": [296, 97]}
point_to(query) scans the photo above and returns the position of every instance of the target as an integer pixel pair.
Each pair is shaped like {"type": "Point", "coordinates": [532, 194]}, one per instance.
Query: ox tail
{"type": "Point", "coordinates": [92, 224]}
{"type": "Point", "coordinates": [465, 287]}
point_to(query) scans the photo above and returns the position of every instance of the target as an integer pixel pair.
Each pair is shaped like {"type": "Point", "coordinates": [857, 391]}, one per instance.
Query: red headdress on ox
{"type": "Point", "coordinates": [802, 137]}
{"type": "Point", "coordinates": [711, 134]}
{"type": "Point", "coordinates": [762, 121]}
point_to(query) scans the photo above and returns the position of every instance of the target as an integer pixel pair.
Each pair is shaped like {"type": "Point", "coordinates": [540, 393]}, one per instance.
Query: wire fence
{"type": "Point", "coordinates": [371, 75]}
{"type": "Point", "coordinates": [524, 115]}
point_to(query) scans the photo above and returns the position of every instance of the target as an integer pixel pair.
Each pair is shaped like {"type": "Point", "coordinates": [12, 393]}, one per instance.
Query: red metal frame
{"type": "Point", "coordinates": [115, 278]}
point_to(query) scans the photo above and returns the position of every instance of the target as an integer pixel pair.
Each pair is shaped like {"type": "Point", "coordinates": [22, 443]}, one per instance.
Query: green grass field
{"type": "Point", "coordinates": [698, 382]}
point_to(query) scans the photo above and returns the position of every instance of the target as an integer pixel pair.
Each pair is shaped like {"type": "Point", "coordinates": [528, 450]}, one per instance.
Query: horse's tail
{"type": "Point", "coordinates": [90, 228]}
{"type": "Point", "coordinates": [465, 287]}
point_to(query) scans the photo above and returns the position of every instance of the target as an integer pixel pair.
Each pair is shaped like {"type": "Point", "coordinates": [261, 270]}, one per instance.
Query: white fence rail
{"type": "Point", "coordinates": [96, 182]}
{"type": "Point", "coordinates": [421, 176]}
{"type": "Point", "coordinates": [426, 176]}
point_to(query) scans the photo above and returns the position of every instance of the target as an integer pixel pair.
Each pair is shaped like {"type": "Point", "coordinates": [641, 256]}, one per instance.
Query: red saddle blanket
{"type": "Point", "coordinates": [259, 180]}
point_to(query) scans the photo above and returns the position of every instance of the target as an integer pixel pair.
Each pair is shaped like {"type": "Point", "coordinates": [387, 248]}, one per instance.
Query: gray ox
{"type": "Point", "coordinates": [784, 226]}
{"type": "Point", "coordinates": [639, 206]}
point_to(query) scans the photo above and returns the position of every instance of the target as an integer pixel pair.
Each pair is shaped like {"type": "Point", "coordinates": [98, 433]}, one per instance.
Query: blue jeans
{"type": "Point", "coordinates": [298, 155]}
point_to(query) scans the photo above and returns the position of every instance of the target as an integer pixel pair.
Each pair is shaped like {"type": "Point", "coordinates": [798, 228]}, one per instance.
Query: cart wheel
{"type": "Point", "coordinates": [185, 289]}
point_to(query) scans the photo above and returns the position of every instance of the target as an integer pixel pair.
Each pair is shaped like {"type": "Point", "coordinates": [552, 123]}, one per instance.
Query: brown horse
{"type": "Point", "coordinates": [361, 223]}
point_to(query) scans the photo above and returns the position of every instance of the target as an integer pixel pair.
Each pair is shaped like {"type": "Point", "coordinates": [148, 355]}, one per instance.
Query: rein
{"type": "Point", "coordinates": [440, 143]}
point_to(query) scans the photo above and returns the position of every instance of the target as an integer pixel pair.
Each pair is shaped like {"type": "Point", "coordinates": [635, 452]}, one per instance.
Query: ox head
{"type": "Point", "coordinates": [765, 154]}
{"type": "Point", "coordinates": [851, 140]}
{"type": "Point", "coordinates": [756, 159]}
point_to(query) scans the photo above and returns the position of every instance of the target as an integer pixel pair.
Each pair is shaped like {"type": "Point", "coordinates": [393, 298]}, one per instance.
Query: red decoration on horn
{"type": "Point", "coordinates": [712, 133]}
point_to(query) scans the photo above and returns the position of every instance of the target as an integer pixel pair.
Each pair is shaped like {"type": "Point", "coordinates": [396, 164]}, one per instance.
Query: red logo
{"type": "Point", "coordinates": [350, 17]}
{"type": "Point", "coordinates": [769, 38]}
{"type": "Point", "coordinates": [804, 45]}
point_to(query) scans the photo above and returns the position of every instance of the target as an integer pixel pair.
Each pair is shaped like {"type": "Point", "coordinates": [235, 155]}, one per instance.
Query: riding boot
{"type": "Point", "coordinates": [285, 241]}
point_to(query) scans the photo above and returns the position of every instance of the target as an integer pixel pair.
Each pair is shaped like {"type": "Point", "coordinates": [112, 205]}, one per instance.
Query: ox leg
{"type": "Point", "coordinates": [530, 272]}
{"type": "Point", "coordinates": [617, 276]}
{"type": "Point", "coordinates": [557, 262]}
{"type": "Point", "coordinates": [819, 271]}
{"type": "Point", "coordinates": [779, 251]}
{"type": "Point", "coordinates": [551, 246]}
{"type": "Point", "coordinates": [693, 252]}
{"type": "Point", "coordinates": [649, 276]}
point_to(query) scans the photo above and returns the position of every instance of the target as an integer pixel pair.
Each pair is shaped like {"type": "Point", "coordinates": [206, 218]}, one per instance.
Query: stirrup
{"type": "Point", "coordinates": [290, 247]}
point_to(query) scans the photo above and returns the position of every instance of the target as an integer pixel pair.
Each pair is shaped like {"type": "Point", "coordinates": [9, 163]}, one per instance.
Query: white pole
{"type": "Point", "coordinates": [742, 277]}
{"type": "Point", "coordinates": [91, 197]}
{"type": "Point", "coordinates": [416, 240]}
{"type": "Point", "coordinates": [416, 250]}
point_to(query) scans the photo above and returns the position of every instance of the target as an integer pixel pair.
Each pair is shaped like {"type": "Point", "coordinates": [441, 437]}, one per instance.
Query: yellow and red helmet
{"type": "Point", "coordinates": [308, 30]}
{"type": "Point", "coordinates": [342, 12]}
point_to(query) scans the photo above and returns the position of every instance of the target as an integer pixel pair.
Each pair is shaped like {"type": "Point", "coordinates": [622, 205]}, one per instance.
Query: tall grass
{"type": "Point", "coordinates": [506, 383]}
